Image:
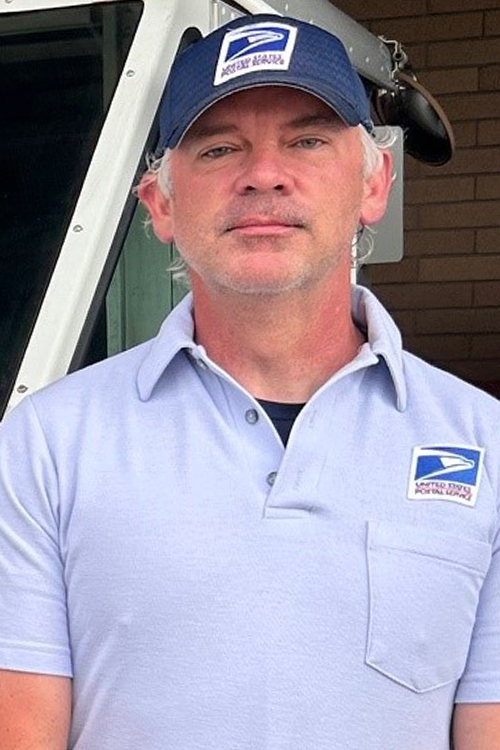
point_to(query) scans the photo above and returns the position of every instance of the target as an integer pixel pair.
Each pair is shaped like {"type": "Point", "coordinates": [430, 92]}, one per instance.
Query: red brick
{"type": "Point", "coordinates": [442, 6]}
{"type": "Point", "coordinates": [476, 371]}
{"type": "Point", "coordinates": [485, 347]}
{"type": "Point", "coordinates": [450, 80]}
{"type": "Point", "coordinates": [488, 186]}
{"type": "Point", "coordinates": [479, 52]}
{"type": "Point", "coordinates": [439, 242]}
{"type": "Point", "coordinates": [492, 23]}
{"type": "Point", "coordinates": [488, 241]}
{"type": "Point", "coordinates": [473, 214]}
{"type": "Point", "coordinates": [489, 78]}
{"type": "Point", "coordinates": [368, 9]}
{"type": "Point", "coordinates": [468, 161]}
{"type": "Point", "coordinates": [486, 294]}
{"type": "Point", "coordinates": [458, 321]}
{"type": "Point", "coordinates": [405, 321]}
{"type": "Point", "coordinates": [412, 167]}
{"type": "Point", "coordinates": [467, 268]}
{"type": "Point", "coordinates": [439, 348]}
{"type": "Point", "coordinates": [465, 133]}
{"type": "Point", "coordinates": [417, 55]}
{"type": "Point", "coordinates": [420, 296]}
{"type": "Point", "coordinates": [410, 217]}
{"type": "Point", "coordinates": [440, 189]}
{"type": "Point", "coordinates": [405, 270]}
{"type": "Point", "coordinates": [488, 132]}
{"type": "Point", "coordinates": [478, 106]}
{"type": "Point", "coordinates": [426, 28]}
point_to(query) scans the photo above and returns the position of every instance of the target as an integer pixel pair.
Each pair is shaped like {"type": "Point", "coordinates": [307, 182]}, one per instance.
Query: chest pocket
{"type": "Point", "coordinates": [424, 591]}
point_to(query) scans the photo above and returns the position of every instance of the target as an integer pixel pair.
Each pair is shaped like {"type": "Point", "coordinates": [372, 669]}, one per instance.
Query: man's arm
{"type": "Point", "coordinates": [35, 711]}
{"type": "Point", "coordinates": [476, 726]}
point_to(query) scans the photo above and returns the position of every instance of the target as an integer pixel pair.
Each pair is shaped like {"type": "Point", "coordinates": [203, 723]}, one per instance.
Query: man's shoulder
{"type": "Point", "coordinates": [107, 386]}
{"type": "Point", "coordinates": [424, 379]}
{"type": "Point", "coordinates": [102, 377]}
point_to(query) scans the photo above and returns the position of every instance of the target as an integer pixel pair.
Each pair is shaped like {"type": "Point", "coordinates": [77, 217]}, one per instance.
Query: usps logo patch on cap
{"type": "Point", "coordinates": [446, 472]}
{"type": "Point", "coordinates": [256, 47]}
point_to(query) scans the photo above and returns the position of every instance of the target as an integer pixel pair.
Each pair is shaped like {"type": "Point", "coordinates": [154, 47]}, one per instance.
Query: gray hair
{"type": "Point", "coordinates": [373, 145]}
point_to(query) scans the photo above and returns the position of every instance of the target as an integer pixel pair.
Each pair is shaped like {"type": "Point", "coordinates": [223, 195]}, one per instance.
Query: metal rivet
{"type": "Point", "coordinates": [22, 388]}
{"type": "Point", "coordinates": [252, 416]}
{"type": "Point", "coordinates": [271, 477]}
{"type": "Point", "coordinates": [130, 73]}
{"type": "Point", "coordinates": [286, 7]}
{"type": "Point", "coordinates": [78, 228]}
{"type": "Point", "coordinates": [367, 59]}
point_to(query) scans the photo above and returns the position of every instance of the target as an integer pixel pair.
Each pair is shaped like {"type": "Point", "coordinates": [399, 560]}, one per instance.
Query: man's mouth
{"type": "Point", "coordinates": [263, 225]}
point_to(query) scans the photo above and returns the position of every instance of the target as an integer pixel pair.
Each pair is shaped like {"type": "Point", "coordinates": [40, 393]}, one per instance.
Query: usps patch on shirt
{"type": "Point", "coordinates": [446, 472]}
{"type": "Point", "coordinates": [250, 49]}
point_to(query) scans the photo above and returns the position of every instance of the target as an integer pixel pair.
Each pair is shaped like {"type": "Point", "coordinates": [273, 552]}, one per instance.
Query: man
{"type": "Point", "coordinates": [171, 575]}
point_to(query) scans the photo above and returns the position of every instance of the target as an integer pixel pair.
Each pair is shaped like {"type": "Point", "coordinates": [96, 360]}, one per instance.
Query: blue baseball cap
{"type": "Point", "coordinates": [260, 50]}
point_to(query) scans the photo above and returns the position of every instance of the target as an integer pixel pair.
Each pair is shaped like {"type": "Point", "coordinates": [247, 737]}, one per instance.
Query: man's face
{"type": "Point", "coordinates": [268, 191]}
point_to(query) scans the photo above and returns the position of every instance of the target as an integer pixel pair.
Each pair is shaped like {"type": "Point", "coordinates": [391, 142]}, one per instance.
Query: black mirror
{"type": "Point", "coordinates": [428, 134]}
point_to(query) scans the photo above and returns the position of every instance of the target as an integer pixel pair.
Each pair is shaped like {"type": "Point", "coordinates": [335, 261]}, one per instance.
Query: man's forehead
{"type": "Point", "coordinates": [290, 106]}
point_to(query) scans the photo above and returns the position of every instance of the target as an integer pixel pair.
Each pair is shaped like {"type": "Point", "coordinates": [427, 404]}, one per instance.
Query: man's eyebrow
{"type": "Point", "coordinates": [198, 133]}
{"type": "Point", "coordinates": [332, 122]}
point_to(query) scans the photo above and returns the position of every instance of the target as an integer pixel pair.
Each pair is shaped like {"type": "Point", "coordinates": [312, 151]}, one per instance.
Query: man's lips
{"type": "Point", "coordinates": [262, 225]}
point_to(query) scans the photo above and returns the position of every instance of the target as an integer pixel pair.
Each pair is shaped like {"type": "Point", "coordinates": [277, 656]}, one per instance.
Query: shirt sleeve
{"type": "Point", "coordinates": [480, 682]}
{"type": "Point", "coordinates": [33, 615]}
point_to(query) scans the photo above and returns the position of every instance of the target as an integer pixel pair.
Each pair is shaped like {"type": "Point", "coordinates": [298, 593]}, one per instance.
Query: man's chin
{"type": "Point", "coordinates": [260, 286]}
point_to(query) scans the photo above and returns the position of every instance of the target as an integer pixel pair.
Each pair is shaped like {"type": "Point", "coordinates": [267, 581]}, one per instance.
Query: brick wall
{"type": "Point", "coordinates": [445, 294]}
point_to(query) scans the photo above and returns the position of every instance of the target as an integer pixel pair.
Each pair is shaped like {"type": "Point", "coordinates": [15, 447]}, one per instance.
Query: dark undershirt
{"type": "Point", "coordinates": [282, 416]}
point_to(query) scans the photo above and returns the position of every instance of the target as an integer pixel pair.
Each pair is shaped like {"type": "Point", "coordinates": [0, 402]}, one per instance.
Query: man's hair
{"type": "Point", "coordinates": [373, 148]}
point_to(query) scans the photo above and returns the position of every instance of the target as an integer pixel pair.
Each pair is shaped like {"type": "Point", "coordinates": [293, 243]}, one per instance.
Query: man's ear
{"type": "Point", "coordinates": [376, 191]}
{"type": "Point", "coordinates": [158, 205]}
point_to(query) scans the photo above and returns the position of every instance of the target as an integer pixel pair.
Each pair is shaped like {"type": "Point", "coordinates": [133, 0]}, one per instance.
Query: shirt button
{"type": "Point", "coordinates": [201, 364]}
{"type": "Point", "coordinates": [252, 416]}
{"type": "Point", "coordinates": [271, 477]}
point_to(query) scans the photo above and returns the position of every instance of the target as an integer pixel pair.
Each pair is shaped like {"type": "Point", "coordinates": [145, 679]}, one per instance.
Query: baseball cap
{"type": "Point", "coordinates": [260, 50]}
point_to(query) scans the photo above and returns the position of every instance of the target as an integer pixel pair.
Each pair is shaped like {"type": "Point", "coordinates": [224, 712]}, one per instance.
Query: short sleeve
{"type": "Point", "coordinates": [33, 615]}
{"type": "Point", "coordinates": [480, 682]}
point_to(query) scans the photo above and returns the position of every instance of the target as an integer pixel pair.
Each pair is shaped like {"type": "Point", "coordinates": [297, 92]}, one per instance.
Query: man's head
{"type": "Point", "coordinates": [262, 121]}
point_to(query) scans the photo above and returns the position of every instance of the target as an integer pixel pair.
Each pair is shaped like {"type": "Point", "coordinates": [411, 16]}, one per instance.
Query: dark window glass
{"type": "Point", "coordinates": [58, 71]}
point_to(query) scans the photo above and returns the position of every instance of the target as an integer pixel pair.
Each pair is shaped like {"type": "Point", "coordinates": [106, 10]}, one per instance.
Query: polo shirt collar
{"type": "Point", "coordinates": [383, 336]}
{"type": "Point", "coordinates": [177, 333]}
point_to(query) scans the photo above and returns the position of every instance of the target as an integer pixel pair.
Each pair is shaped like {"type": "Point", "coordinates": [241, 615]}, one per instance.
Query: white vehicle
{"type": "Point", "coordinates": [80, 278]}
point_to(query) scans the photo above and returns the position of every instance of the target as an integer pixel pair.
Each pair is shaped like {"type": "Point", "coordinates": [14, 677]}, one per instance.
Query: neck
{"type": "Point", "coordinates": [283, 347]}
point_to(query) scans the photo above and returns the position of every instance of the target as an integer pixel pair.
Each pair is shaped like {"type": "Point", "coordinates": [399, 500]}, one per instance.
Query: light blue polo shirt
{"type": "Point", "coordinates": [209, 590]}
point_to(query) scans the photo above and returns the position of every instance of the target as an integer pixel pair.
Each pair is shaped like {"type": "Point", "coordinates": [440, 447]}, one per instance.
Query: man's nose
{"type": "Point", "coordinates": [264, 170]}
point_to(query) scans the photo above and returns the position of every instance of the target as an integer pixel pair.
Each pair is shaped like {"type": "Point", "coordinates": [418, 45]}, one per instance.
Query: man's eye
{"type": "Point", "coordinates": [309, 143]}
{"type": "Point", "coordinates": [217, 151]}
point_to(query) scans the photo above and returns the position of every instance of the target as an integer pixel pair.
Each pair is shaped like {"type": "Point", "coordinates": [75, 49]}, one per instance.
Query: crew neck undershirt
{"type": "Point", "coordinates": [282, 416]}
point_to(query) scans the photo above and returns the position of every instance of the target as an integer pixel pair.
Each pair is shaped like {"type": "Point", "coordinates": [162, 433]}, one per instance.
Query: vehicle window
{"type": "Point", "coordinates": [143, 289]}
{"type": "Point", "coordinates": [59, 69]}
